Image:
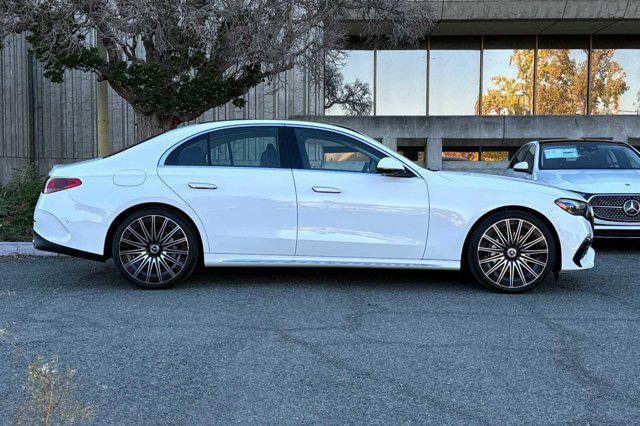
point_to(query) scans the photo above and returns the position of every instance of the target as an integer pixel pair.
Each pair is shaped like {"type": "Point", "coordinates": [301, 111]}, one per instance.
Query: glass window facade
{"type": "Point", "coordinates": [401, 87]}
{"type": "Point", "coordinates": [561, 77]}
{"type": "Point", "coordinates": [493, 75]}
{"type": "Point", "coordinates": [352, 79]}
{"type": "Point", "coordinates": [615, 76]}
{"type": "Point", "coordinates": [454, 82]}
{"type": "Point", "coordinates": [507, 76]}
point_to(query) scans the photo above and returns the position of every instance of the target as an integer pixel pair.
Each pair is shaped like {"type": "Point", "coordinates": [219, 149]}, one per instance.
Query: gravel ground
{"type": "Point", "coordinates": [330, 345]}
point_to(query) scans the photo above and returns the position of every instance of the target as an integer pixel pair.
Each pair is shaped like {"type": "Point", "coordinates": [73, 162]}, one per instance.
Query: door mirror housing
{"type": "Point", "coordinates": [522, 166]}
{"type": "Point", "coordinates": [391, 167]}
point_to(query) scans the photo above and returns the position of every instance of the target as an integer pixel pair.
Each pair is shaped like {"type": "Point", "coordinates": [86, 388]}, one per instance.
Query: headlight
{"type": "Point", "coordinates": [575, 207]}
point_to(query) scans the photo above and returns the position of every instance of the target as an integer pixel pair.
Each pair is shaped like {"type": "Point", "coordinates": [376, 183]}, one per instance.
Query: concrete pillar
{"type": "Point", "coordinates": [390, 142]}
{"type": "Point", "coordinates": [433, 154]}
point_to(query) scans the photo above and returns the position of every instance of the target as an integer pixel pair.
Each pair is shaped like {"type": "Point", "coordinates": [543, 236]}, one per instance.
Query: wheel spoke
{"type": "Point", "coordinates": [173, 251]}
{"type": "Point", "coordinates": [175, 261]}
{"type": "Point", "coordinates": [543, 251]}
{"type": "Point", "coordinates": [529, 259]}
{"type": "Point", "coordinates": [500, 236]}
{"type": "Point", "coordinates": [511, 273]}
{"type": "Point", "coordinates": [520, 273]}
{"type": "Point", "coordinates": [492, 259]}
{"type": "Point", "coordinates": [134, 251]}
{"type": "Point", "coordinates": [503, 271]}
{"type": "Point", "coordinates": [526, 236]}
{"type": "Point", "coordinates": [509, 236]}
{"type": "Point", "coordinates": [144, 229]}
{"type": "Point", "coordinates": [170, 234]}
{"type": "Point", "coordinates": [133, 243]}
{"type": "Point", "coordinates": [142, 265]}
{"type": "Point", "coordinates": [531, 271]}
{"type": "Point", "coordinates": [533, 243]}
{"type": "Point", "coordinates": [149, 270]}
{"type": "Point", "coordinates": [173, 243]}
{"type": "Point", "coordinates": [166, 266]}
{"type": "Point", "coordinates": [162, 228]}
{"type": "Point", "coordinates": [516, 236]}
{"type": "Point", "coordinates": [134, 260]}
{"type": "Point", "coordinates": [492, 241]}
{"type": "Point", "coordinates": [490, 249]}
{"type": "Point", "coordinates": [135, 234]}
{"type": "Point", "coordinates": [153, 227]}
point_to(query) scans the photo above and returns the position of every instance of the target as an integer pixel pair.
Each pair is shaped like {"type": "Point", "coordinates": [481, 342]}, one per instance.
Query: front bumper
{"type": "Point", "coordinates": [616, 231]}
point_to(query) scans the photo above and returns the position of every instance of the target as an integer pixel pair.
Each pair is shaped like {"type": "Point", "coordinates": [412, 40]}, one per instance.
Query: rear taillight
{"type": "Point", "coordinates": [60, 184]}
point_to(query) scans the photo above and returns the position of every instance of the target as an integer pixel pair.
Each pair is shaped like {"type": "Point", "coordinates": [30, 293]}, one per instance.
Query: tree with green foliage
{"type": "Point", "coordinates": [174, 60]}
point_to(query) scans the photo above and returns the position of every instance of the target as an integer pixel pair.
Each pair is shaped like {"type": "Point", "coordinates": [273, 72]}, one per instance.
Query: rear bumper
{"type": "Point", "coordinates": [42, 244]}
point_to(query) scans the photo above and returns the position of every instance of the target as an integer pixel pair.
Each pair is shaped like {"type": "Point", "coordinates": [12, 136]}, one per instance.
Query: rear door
{"type": "Point", "coordinates": [346, 209]}
{"type": "Point", "coordinates": [238, 182]}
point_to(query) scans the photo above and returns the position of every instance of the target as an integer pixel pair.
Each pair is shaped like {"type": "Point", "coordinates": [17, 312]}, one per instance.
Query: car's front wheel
{"type": "Point", "coordinates": [155, 248]}
{"type": "Point", "coordinates": [511, 251]}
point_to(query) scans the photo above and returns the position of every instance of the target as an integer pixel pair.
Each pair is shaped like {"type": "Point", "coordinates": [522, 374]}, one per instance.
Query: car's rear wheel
{"type": "Point", "coordinates": [511, 251]}
{"type": "Point", "coordinates": [155, 248]}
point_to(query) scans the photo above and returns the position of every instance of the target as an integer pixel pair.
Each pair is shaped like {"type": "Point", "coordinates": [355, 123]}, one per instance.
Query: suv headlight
{"type": "Point", "coordinates": [575, 207]}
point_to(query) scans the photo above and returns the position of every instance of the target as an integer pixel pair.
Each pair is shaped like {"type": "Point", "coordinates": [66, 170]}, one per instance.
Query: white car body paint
{"type": "Point", "coordinates": [262, 216]}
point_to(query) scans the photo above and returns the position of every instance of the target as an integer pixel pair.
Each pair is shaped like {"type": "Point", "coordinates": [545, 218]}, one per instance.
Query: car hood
{"type": "Point", "coordinates": [593, 181]}
{"type": "Point", "coordinates": [496, 182]}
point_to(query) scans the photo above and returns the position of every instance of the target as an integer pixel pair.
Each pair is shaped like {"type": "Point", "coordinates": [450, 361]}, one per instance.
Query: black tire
{"type": "Point", "coordinates": [159, 256]}
{"type": "Point", "coordinates": [511, 263]}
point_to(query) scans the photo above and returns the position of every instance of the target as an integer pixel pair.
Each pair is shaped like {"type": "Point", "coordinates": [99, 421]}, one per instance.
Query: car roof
{"type": "Point", "coordinates": [545, 141]}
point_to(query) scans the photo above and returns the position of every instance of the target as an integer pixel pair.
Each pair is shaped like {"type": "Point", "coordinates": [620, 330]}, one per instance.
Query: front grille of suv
{"type": "Point", "coordinates": [610, 207]}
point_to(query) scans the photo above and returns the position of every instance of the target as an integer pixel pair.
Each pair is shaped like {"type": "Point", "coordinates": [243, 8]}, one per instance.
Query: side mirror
{"type": "Point", "coordinates": [391, 167]}
{"type": "Point", "coordinates": [522, 166]}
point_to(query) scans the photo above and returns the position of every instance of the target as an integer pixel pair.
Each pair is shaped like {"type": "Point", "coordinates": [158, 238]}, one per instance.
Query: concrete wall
{"type": "Point", "coordinates": [46, 123]}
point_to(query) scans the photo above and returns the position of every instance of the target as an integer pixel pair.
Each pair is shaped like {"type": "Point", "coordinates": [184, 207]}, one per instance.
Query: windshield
{"type": "Point", "coordinates": [588, 155]}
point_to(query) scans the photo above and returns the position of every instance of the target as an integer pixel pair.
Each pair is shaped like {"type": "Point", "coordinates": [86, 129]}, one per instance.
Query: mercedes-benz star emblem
{"type": "Point", "coordinates": [631, 207]}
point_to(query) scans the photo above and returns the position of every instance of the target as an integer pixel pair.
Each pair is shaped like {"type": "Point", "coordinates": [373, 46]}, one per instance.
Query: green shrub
{"type": "Point", "coordinates": [18, 198]}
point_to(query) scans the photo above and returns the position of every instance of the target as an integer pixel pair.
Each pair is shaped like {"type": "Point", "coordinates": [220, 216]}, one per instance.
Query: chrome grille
{"type": "Point", "coordinates": [610, 207]}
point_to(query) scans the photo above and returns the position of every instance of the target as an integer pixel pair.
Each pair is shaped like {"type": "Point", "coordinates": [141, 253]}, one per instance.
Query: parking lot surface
{"type": "Point", "coordinates": [330, 345]}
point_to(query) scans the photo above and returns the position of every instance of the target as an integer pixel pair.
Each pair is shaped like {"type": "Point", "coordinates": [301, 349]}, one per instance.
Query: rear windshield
{"type": "Point", "coordinates": [588, 155]}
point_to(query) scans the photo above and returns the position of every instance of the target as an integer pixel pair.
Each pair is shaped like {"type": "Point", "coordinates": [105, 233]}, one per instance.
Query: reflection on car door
{"type": "Point", "coordinates": [239, 184]}
{"type": "Point", "coordinates": [346, 209]}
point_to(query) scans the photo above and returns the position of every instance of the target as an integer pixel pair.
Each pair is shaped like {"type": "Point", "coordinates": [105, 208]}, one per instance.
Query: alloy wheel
{"type": "Point", "coordinates": [513, 253]}
{"type": "Point", "coordinates": [153, 249]}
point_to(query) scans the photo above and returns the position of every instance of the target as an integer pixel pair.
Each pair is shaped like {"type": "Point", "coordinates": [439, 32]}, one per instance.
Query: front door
{"type": "Point", "coordinates": [236, 182]}
{"type": "Point", "coordinates": [346, 209]}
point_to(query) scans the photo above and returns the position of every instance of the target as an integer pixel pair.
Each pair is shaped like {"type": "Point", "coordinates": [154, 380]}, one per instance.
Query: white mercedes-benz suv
{"type": "Point", "coordinates": [605, 173]}
{"type": "Point", "coordinates": [286, 193]}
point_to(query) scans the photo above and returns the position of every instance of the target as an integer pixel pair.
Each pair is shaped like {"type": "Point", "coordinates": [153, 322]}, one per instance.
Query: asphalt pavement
{"type": "Point", "coordinates": [330, 345]}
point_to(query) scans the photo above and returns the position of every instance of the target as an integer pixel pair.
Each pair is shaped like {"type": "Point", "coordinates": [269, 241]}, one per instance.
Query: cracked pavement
{"type": "Point", "coordinates": [331, 345]}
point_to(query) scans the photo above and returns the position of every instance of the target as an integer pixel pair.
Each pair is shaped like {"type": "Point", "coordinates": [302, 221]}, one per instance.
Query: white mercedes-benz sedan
{"type": "Point", "coordinates": [286, 193]}
{"type": "Point", "coordinates": [605, 173]}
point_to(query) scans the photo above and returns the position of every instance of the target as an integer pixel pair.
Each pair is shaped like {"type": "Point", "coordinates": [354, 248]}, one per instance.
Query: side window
{"type": "Point", "coordinates": [529, 157]}
{"type": "Point", "coordinates": [239, 147]}
{"type": "Point", "coordinates": [194, 152]}
{"type": "Point", "coordinates": [247, 147]}
{"type": "Point", "coordinates": [325, 150]}
{"type": "Point", "coordinates": [520, 156]}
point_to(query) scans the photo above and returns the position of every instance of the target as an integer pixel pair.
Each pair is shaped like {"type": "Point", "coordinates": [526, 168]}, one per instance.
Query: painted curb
{"type": "Point", "coordinates": [10, 248]}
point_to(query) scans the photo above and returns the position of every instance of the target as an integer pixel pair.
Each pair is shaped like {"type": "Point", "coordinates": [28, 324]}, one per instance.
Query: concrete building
{"type": "Point", "coordinates": [491, 75]}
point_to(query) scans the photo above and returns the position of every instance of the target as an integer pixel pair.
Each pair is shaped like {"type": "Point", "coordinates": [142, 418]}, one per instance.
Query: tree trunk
{"type": "Point", "coordinates": [149, 125]}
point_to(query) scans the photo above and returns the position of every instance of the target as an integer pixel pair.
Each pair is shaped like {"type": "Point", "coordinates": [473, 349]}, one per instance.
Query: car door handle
{"type": "Point", "coordinates": [327, 189]}
{"type": "Point", "coordinates": [197, 185]}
